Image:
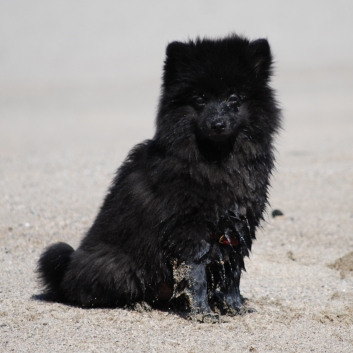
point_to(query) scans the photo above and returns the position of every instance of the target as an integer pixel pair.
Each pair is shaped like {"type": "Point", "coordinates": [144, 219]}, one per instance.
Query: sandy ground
{"type": "Point", "coordinates": [59, 148]}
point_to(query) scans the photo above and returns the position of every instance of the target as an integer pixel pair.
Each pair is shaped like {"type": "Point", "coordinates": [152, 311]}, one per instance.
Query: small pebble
{"type": "Point", "coordinates": [277, 213]}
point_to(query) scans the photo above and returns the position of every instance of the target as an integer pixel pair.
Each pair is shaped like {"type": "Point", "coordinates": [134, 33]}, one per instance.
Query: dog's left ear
{"type": "Point", "coordinates": [261, 57]}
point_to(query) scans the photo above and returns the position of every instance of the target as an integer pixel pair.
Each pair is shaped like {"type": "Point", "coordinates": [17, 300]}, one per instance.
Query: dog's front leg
{"type": "Point", "coordinates": [191, 278]}
{"type": "Point", "coordinates": [197, 290]}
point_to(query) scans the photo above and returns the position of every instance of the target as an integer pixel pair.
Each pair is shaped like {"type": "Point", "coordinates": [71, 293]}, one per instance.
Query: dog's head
{"type": "Point", "coordinates": [217, 91]}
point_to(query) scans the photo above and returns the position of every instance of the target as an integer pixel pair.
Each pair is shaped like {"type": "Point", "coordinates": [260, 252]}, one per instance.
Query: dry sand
{"type": "Point", "coordinates": [59, 148]}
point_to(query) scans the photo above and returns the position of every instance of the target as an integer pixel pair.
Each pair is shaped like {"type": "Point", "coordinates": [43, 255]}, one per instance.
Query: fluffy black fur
{"type": "Point", "coordinates": [204, 174]}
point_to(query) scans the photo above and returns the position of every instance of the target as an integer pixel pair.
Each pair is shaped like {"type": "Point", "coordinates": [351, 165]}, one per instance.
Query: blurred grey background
{"type": "Point", "coordinates": [80, 73]}
{"type": "Point", "coordinates": [111, 41]}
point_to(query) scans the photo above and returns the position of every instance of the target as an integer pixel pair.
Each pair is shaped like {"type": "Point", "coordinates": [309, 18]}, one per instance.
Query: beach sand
{"type": "Point", "coordinates": [59, 149]}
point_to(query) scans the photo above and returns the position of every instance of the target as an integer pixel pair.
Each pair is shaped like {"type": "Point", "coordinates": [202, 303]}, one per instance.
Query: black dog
{"type": "Point", "coordinates": [182, 211]}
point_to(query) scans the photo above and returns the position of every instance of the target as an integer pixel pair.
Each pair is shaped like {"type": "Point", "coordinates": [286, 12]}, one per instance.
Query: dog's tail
{"type": "Point", "coordinates": [52, 266]}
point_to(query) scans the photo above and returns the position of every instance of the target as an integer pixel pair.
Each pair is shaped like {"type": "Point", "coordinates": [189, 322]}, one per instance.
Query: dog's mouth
{"type": "Point", "coordinates": [228, 133]}
{"type": "Point", "coordinates": [219, 129]}
{"type": "Point", "coordinates": [217, 134]}
{"type": "Point", "coordinates": [216, 148]}
{"type": "Point", "coordinates": [219, 137]}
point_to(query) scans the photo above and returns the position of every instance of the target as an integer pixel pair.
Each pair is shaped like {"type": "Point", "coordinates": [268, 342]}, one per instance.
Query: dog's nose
{"type": "Point", "coordinates": [218, 126]}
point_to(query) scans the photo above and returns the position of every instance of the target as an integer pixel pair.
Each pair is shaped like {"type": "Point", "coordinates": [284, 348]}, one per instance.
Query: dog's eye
{"type": "Point", "coordinates": [200, 101]}
{"type": "Point", "coordinates": [233, 99]}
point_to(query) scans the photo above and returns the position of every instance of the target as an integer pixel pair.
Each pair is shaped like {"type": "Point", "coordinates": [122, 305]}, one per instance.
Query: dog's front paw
{"type": "Point", "coordinates": [230, 305]}
{"type": "Point", "coordinates": [204, 316]}
{"type": "Point", "coordinates": [235, 310]}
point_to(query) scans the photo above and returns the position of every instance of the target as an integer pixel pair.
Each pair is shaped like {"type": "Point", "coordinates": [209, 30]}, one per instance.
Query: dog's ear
{"type": "Point", "coordinates": [177, 51]}
{"type": "Point", "coordinates": [260, 56]}
{"type": "Point", "coordinates": [178, 57]}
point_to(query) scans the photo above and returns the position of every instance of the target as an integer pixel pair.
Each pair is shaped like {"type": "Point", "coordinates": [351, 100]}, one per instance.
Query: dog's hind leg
{"type": "Point", "coordinates": [101, 278]}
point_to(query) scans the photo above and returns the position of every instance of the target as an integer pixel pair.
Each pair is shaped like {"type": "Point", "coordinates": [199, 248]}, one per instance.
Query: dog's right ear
{"type": "Point", "coordinates": [177, 50]}
{"type": "Point", "coordinates": [178, 55]}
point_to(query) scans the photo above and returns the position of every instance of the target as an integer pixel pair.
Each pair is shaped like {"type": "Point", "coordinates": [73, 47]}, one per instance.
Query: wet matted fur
{"type": "Point", "coordinates": [182, 211]}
